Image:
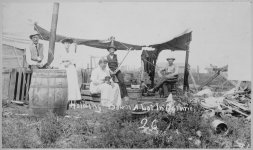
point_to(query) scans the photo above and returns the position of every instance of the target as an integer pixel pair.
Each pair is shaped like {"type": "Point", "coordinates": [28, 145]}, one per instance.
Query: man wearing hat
{"type": "Point", "coordinates": [170, 73]}
{"type": "Point", "coordinates": [114, 71]}
{"type": "Point", "coordinates": [36, 56]}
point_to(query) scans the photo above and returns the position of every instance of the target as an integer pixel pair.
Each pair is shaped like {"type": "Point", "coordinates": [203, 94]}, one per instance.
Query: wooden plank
{"type": "Point", "coordinates": [19, 84]}
{"type": "Point", "coordinates": [12, 84]}
{"type": "Point", "coordinates": [29, 74]}
{"type": "Point", "coordinates": [236, 110]}
{"type": "Point", "coordinates": [238, 105]}
{"type": "Point", "coordinates": [5, 84]}
{"type": "Point", "coordinates": [152, 99]}
{"type": "Point", "coordinates": [23, 84]}
{"type": "Point", "coordinates": [6, 71]}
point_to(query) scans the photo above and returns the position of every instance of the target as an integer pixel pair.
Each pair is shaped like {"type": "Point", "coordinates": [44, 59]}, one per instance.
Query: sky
{"type": "Point", "coordinates": [221, 31]}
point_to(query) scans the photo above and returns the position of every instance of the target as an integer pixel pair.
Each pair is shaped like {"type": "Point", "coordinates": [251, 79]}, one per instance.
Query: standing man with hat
{"type": "Point", "coordinates": [170, 74]}
{"type": "Point", "coordinates": [114, 70]}
{"type": "Point", "coordinates": [36, 56]}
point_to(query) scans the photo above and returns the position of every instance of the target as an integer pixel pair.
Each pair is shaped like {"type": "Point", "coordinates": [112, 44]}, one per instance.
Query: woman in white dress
{"type": "Point", "coordinates": [67, 61]}
{"type": "Point", "coordinates": [101, 83]}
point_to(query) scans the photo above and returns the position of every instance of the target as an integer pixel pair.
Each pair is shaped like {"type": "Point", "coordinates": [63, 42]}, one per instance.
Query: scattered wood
{"type": "Point", "coordinates": [238, 105]}
{"type": "Point", "coordinates": [236, 110]}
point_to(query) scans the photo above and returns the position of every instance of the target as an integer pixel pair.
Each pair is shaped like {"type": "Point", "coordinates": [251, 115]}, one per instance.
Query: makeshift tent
{"type": "Point", "coordinates": [149, 58]}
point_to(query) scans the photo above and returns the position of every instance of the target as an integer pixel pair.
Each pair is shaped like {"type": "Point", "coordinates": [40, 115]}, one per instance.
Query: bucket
{"type": "Point", "coordinates": [134, 93]}
{"type": "Point", "coordinates": [219, 127]}
{"type": "Point", "coordinates": [48, 92]}
{"type": "Point", "coordinates": [128, 78]}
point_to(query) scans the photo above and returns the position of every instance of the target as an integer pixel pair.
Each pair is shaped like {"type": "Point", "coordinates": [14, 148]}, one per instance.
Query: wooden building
{"type": "Point", "coordinates": [15, 75]}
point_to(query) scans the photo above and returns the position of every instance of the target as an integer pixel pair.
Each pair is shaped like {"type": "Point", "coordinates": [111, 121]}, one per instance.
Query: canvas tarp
{"type": "Point", "coordinates": [178, 43]}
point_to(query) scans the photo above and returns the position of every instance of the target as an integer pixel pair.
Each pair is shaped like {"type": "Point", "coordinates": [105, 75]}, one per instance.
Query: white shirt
{"type": "Point", "coordinates": [66, 56]}
{"type": "Point", "coordinates": [29, 57]}
{"type": "Point", "coordinates": [172, 69]}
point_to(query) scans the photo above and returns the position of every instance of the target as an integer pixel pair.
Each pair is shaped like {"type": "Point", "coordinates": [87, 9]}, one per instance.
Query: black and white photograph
{"type": "Point", "coordinates": [127, 74]}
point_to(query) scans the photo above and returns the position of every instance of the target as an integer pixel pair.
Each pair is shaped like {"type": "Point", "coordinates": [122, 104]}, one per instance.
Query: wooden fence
{"type": "Point", "coordinates": [16, 83]}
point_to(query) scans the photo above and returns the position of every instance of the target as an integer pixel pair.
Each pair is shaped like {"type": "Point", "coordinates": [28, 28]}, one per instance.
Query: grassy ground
{"type": "Point", "coordinates": [86, 128]}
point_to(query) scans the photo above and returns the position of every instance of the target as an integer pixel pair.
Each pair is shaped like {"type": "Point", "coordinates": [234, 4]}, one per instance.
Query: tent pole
{"type": "Point", "coordinates": [53, 33]}
{"type": "Point", "coordinates": [198, 75]}
{"type": "Point", "coordinates": [91, 63]}
{"type": "Point", "coordinates": [186, 73]}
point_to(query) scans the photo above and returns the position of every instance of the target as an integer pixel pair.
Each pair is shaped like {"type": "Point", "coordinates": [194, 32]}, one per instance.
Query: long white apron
{"type": "Point", "coordinates": [72, 77]}
{"type": "Point", "coordinates": [73, 86]}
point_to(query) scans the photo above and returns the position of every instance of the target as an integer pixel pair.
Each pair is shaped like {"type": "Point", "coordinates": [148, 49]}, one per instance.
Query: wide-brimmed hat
{"type": "Point", "coordinates": [170, 58]}
{"type": "Point", "coordinates": [33, 34]}
{"type": "Point", "coordinates": [68, 40]}
{"type": "Point", "coordinates": [112, 46]}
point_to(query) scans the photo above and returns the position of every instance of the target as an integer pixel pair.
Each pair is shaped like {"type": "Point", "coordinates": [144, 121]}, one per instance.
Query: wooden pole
{"type": "Point", "coordinates": [193, 80]}
{"type": "Point", "coordinates": [53, 33]}
{"type": "Point", "coordinates": [90, 63]}
{"type": "Point", "coordinates": [186, 73]}
{"type": "Point", "coordinates": [198, 75]}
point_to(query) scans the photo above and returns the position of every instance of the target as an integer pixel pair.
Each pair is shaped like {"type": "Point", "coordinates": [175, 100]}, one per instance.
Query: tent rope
{"type": "Point", "coordinates": [122, 60]}
{"type": "Point", "coordinates": [124, 45]}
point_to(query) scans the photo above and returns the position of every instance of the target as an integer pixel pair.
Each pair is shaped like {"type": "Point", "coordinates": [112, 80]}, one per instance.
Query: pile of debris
{"type": "Point", "coordinates": [236, 102]}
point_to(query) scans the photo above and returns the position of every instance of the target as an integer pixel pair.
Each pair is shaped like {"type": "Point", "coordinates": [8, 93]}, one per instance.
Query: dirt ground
{"type": "Point", "coordinates": [91, 128]}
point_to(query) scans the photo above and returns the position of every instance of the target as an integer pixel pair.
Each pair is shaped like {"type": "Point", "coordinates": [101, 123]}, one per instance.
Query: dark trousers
{"type": "Point", "coordinates": [122, 86]}
{"type": "Point", "coordinates": [165, 83]}
{"type": "Point", "coordinates": [167, 87]}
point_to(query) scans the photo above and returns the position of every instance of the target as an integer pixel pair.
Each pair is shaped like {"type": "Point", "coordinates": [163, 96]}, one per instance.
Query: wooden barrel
{"type": "Point", "coordinates": [48, 92]}
{"type": "Point", "coordinates": [128, 77]}
{"type": "Point", "coordinates": [134, 93]}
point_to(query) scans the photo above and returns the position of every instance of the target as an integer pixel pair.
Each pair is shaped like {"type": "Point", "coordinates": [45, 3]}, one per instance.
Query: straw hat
{"type": "Point", "coordinates": [68, 40]}
{"type": "Point", "coordinates": [170, 58]}
{"type": "Point", "coordinates": [33, 34]}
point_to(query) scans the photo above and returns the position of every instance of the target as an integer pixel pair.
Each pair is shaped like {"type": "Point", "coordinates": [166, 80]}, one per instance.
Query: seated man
{"type": "Point", "coordinates": [102, 83]}
{"type": "Point", "coordinates": [170, 76]}
{"type": "Point", "coordinates": [36, 56]}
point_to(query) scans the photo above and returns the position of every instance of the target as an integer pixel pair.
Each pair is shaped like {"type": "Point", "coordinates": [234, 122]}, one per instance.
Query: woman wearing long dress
{"type": "Point", "coordinates": [101, 82]}
{"type": "Point", "coordinates": [67, 61]}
